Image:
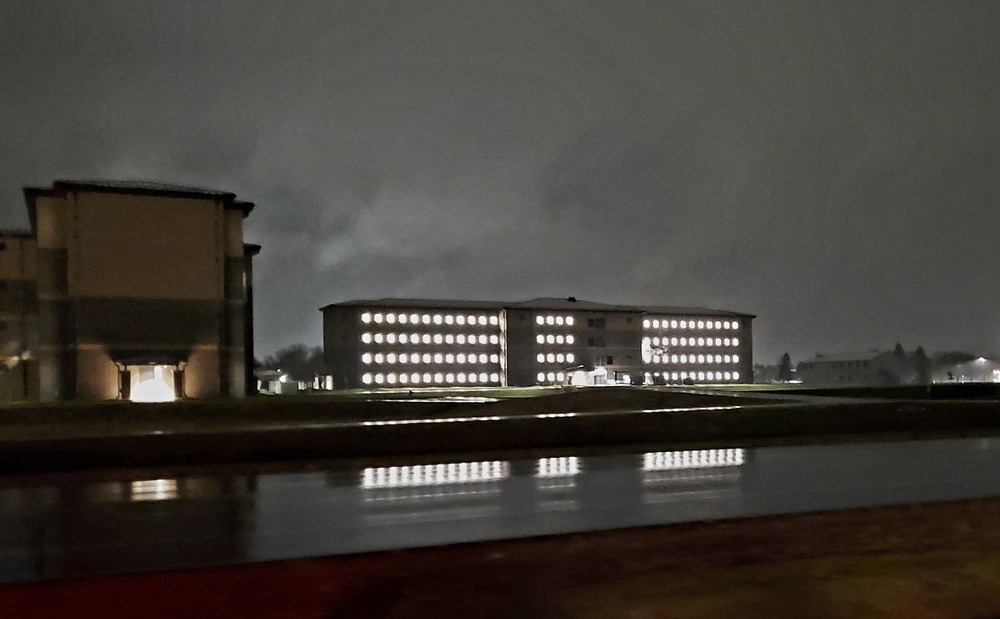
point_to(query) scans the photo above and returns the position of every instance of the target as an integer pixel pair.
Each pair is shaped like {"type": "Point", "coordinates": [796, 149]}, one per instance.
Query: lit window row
{"type": "Point", "coordinates": [692, 341]}
{"type": "Point", "coordinates": [558, 467]}
{"type": "Point", "coordinates": [555, 358]}
{"type": "Point", "coordinates": [551, 377]}
{"type": "Point", "coordinates": [696, 459]}
{"type": "Point", "coordinates": [654, 323]}
{"type": "Point", "coordinates": [433, 474]}
{"type": "Point", "coordinates": [552, 338]}
{"type": "Point", "coordinates": [704, 375]}
{"type": "Point", "coordinates": [693, 359]}
{"type": "Point", "coordinates": [417, 358]}
{"type": "Point", "coordinates": [430, 379]}
{"type": "Point", "coordinates": [426, 319]}
{"type": "Point", "coordinates": [554, 319]}
{"type": "Point", "coordinates": [429, 338]}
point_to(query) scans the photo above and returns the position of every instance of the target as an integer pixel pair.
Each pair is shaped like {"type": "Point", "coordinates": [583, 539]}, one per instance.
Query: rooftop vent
{"type": "Point", "coordinates": [571, 299]}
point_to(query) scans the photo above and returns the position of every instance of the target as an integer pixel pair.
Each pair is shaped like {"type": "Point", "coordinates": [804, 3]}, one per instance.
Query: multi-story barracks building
{"type": "Point", "coordinates": [418, 342]}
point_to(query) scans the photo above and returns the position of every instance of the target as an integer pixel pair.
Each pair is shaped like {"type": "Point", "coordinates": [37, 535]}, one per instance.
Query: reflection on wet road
{"type": "Point", "coordinates": [75, 525]}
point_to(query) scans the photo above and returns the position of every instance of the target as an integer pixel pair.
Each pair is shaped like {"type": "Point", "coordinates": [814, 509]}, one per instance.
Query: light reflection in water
{"type": "Point", "coordinates": [153, 489]}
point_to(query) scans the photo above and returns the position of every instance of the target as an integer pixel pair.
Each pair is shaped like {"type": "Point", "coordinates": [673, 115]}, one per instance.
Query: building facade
{"type": "Point", "coordinates": [128, 290]}
{"type": "Point", "coordinates": [411, 343]}
{"type": "Point", "coordinates": [874, 367]}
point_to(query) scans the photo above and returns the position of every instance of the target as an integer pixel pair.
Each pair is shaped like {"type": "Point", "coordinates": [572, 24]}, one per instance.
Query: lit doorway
{"type": "Point", "coordinates": [151, 383]}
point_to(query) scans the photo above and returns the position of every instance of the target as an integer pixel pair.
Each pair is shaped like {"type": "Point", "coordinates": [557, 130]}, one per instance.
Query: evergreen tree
{"type": "Point", "coordinates": [898, 351]}
{"type": "Point", "coordinates": [785, 368]}
{"type": "Point", "coordinates": [922, 365]}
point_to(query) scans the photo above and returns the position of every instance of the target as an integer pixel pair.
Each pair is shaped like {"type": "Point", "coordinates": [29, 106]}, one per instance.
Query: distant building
{"type": "Point", "coordinates": [871, 368]}
{"type": "Point", "coordinates": [127, 290]}
{"type": "Point", "coordinates": [413, 342]}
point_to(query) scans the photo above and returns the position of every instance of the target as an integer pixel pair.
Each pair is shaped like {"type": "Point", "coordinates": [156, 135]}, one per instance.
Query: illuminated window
{"type": "Point", "coordinates": [415, 359]}
{"type": "Point", "coordinates": [736, 375]}
{"type": "Point", "coordinates": [366, 317]}
{"type": "Point", "coordinates": [494, 378]}
{"type": "Point", "coordinates": [727, 341]}
{"type": "Point", "coordinates": [366, 379]}
{"type": "Point", "coordinates": [390, 338]}
{"type": "Point", "coordinates": [439, 378]}
{"type": "Point", "coordinates": [378, 318]}
{"type": "Point", "coordinates": [559, 320]}
{"type": "Point", "coordinates": [426, 338]}
{"type": "Point", "coordinates": [404, 378]}
{"type": "Point", "coordinates": [540, 338]}
{"type": "Point", "coordinates": [560, 358]}
{"type": "Point", "coordinates": [550, 339]}
{"type": "Point", "coordinates": [569, 321]}
{"type": "Point", "coordinates": [403, 319]}
{"type": "Point", "coordinates": [656, 358]}
{"type": "Point", "coordinates": [449, 358]}
{"type": "Point", "coordinates": [449, 339]}
{"type": "Point", "coordinates": [674, 376]}
{"type": "Point", "coordinates": [494, 339]}
{"type": "Point", "coordinates": [655, 341]}
{"type": "Point", "coordinates": [460, 338]}
{"type": "Point", "coordinates": [559, 339]}
{"type": "Point", "coordinates": [403, 338]}
{"type": "Point", "coordinates": [483, 377]}
{"type": "Point", "coordinates": [645, 324]}
{"type": "Point", "coordinates": [390, 318]}
{"type": "Point", "coordinates": [438, 358]}
{"type": "Point", "coordinates": [673, 341]}
{"type": "Point", "coordinates": [701, 341]}
{"type": "Point", "coordinates": [494, 320]}
{"type": "Point", "coordinates": [549, 320]}
{"type": "Point", "coordinates": [427, 378]}
{"type": "Point", "coordinates": [718, 376]}
{"type": "Point", "coordinates": [449, 378]}
{"type": "Point", "coordinates": [570, 357]}
{"type": "Point", "coordinates": [461, 357]}
{"type": "Point", "coordinates": [701, 358]}
{"type": "Point", "coordinates": [391, 357]}
{"type": "Point", "coordinates": [483, 358]}
{"type": "Point", "coordinates": [736, 358]}
{"type": "Point", "coordinates": [718, 341]}
{"type": "Point", "coordinates": [736, 341]}
{"type": "Point", "coordinates": [727, 358]}
{"type": "Point", "coordinates": [540, 358]}
{"type": "Point", "coordinates": [427, 357]}
{"type": "Point", "coordinates": [379, 357]}
{"type": "Point", "coordinates": [461, 377]}
{"type": "Point", "coordinates": [438, 338]}
{"type": "Point", "coordinates": [460, 319]}
{"type": "Point", "coordinates": [734, 326]}
{"type": "Point", "coordinates": [438, 319]}
{"type": "Point", "coordinates": [684, 375]}
{"type": "Point", "coordinates": [426, 319]}
{"type": "Point", "coordinates": [718, 324]}
{"type": "Point", "coordinates": [684, 324]}
{"type": "Point", "coordinates": [494, 358]}
{"type": "Point", "coordinates": [472, 378]}
{"type": "Point", "coordinates": [560, 376]}
{"type": "Point", "coordinates": [483, 321]}
{"type": "Point", "coordinates": [701, 324]}
{"type": "Point", "coordinates": [673, 325]}
{"type": "Point", "coordinates": [673, 358]}
{"type": "Point", "coordinates": [391, 378]}
{"type": "Point", "coordinates": [483, 339]}
{"type": "Point", "coordinates": [570, 339]}
{"type": "Point", "coordinates": [379, 379]}
{"type": "Point", "coordinates": [366, 338]}
{"type": "Point", "coordinates": [415, 378]}
{"type": "Point", "coordinates": [727, 375]}
{"type": "Point", "coordinates": [449, 319]}
{"type": "Point", "coordinates": [656, 324]}
{"type": "Point", "coordinates": [684, 358]}
{"type": "Point", "coordinates": [718, 358]}
{"type": "Point", "coordinates": [551, 376]}
{"type": "Point", "coordinates": [701, 376]}
{"type": "Point", "coordinates": [413, 319]}
{"type": "Point", "coordinates": [541, 377]}
{"type": "Point", "coordinates": [403, 357]}
{"type": "Point", "coordinates": [366, 358]}
{"type": "Point", "coordinates": [684, 341]}
{"type": "Point", "coordinates": [551, 358]}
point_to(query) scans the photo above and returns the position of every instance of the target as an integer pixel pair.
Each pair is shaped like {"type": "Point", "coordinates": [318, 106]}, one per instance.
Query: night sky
{"type": "Point", "coordinates": [832, 167]}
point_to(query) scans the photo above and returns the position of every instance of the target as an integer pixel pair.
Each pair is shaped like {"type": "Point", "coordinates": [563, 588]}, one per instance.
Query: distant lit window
{"type": "Point", "coordinates": [550, 320]}
{"type": "Point", "coordinates": [460, 357]}
{"type": "Point", "coordinates": [718, 324]}
{"type": "Point", "coordinates": [404, 378]}
{"type": "Point", "coordinates": [551, 358]}
{"type": "Point", "coordinates": [483, 321]}
{"type": "Point", "coordinates": [673, 358]}
{"type": "Point", "coordinates": [438, 338]}
{"type": "Point", "coordinates": [655, 341]}
{"type": "Point", "coordinates": [674, 376]}
{"type": "Point", "coordinates": [438, 319]}
{"type": "Point", "coordinates": [673, 341]}
{"type": "Point", "coordinates": [427, 378]}
{"type": "Point", "coordinates": [718, 341]}
{"type": "Point", "coordinates": [426, 338]}
{"type": "Point", "coordinates": [415, 359]}
{"type": "Point", "coordinates": [560, 339]}
{"type": "Point", "coordinates": [727, 358]}
{"type": "Point", "coordinates": [366, 338]}
{"type": "Point", "coordinates": [460, 338]}
{"type": "Point", "coordinates": [736, 358]}
{"type": "Point", "coordinates": [540, 338]}
{"type": "Point", "coordinates": [540, 358]}
{"type": "Point", "coordinates": [494, 358]}
{"type": "Point", "coordinates": [550, 339]}
{"type": "Point", "coordinates": [559, 320]}
{"type": "Point", "coordinates": [460, 319]}
{"type": "Point", "coordinates": [413, 319]}
{"type": "Point", "coordinates": [727, 341]}
{"type": "Point", "coordinates": [734, 326]}
{"type": "Point", "coordinates": [541, 377]}
{"type": "Point", "coordinates": [449, 339]}
{"type": "Point", "coordinates": [701, 376]}
{"type": "Point", "coordinates": [390, 358]}
{"type": "Point", "coordinates": [426, 319]}
{"type": "Point", "coordinates": [656, 358]}
{"type": "Point", "coordinates": [683, 324]}
{"type": "Point", "coordinates": [656, 324]}
{"type": "Point", "coordinates": [449, 319]}
{"type": "Point", "coordinates": [483, 340]}
{"type": "Point", "coordinates": [673, 325]}
{"type": "Point", "coordinates": [390, 338]}
{"type": "Point", "coordinates": [427, 357]}
{"type": "Point", "coordinates": [403, 319]}
{"type": "Point", "coordinates": [570, 357]}
{"type": "Point", "coordinates": [727, 375]}
{"type": "Point", "coordinates": [483, 377]}
{"type": "Point", "coordinates": [460, 377]}
{"type": "Point", "coordinates": [415, 378]}
{"type": "Point", "coordinates": [439, 378]}
{"type": "Point", "coordinates": [379, 357]}
{"type": "Point", "coordinates": [391, 378]}
{"type": "Point", "coordinates": [560, 358]}
{"type": "Point", "coordinates": [701, 324]}
{"type": "Point", "coordinates": [438, 358]}
{"type": "Point", "coordinates": [366, 379]}
{"type": "Point", "coordinates": [701, 341]}
{"type": "Point", "coordinates": [736, 341]}
{"type": "Point", "coordinates": [570, 339]}
{"type": "Point", "coordinates": [736, 375]}
{"type": "Point", "coordinates": [684, 341]}
{"type": "Point", "coordinates": [403, 338]}
{"type": "Point", "coordinates": [390, 318]}
{"type": "Point", "coordinates": [494, 320]}
{"type": "Point", "coordinates": [449, 378]}
{"type": "Point", "coordinates": [718, 358]}
{"type": "Point", "coordinates": [378, 318]}
{"type": "Point", "coordinates": [449, 358]}
{"type": "Point", "coordinates": [366, 358]}
{"type": "Point", "coordinates": [701, 358]}
{"type": "Point", "coordinates": [569, 321]}
{"type": "Point", "coordinates": [403, 357]}
{"type": "Point", "coordinates": [366, 317]}
{"type": "Point", "coordinates": [551, 376]}
{"type": "Point", "coordinates": [494, 339]}
{"type": "Point", "coordinates": [472, 377]}
{"type": "Point", "coordinates": [684, 358]}
{"type": "Point", "coordinates": [379, 379]}
{"type": "Point", "coordinates": [494, 378]}
{"type": "Point", "coordinates": [483, 358]}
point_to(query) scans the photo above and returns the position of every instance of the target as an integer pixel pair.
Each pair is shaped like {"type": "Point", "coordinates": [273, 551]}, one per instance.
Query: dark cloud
{"type": "Point", "coordinates": [833, 168]}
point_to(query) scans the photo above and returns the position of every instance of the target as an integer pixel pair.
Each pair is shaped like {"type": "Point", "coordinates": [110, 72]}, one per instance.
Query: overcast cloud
{"type": "Point", "coordinates": [832, 167]}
